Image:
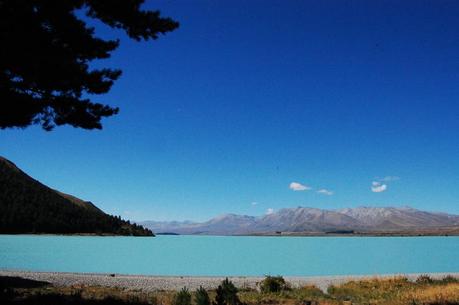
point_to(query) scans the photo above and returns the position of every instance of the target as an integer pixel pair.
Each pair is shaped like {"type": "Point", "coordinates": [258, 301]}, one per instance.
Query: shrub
{"type": "Point", "coordinates": [201, 297]}
{"type": "Point", "coordinates": [424, 279]}
{"type": "Point", "coordinates": [310, 292]}
{"type": "Point", "coordinates": [376, 289]}
{"type": "Point", "coordinates": [183, 297]}
{"type": "Point", "coordinates": [273, 284]}
{"type": "Point", "coordinates": [227, 294]}
{"type": "Point", "coordinates": [449, 279]}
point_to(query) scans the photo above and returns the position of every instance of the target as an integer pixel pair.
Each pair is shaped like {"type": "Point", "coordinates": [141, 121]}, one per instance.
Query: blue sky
{"type": "Point", "coordinates": [247, 97]}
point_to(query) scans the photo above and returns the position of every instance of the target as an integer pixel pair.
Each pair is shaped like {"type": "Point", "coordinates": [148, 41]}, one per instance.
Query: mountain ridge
{"type": "Point", "coordinates": [28, 206]}
{"type": "Point", "coordinates": [306, 220]}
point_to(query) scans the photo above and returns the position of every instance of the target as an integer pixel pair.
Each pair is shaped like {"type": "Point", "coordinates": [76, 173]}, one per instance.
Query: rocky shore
{"type": "Point", "coordinates": [155, 283]}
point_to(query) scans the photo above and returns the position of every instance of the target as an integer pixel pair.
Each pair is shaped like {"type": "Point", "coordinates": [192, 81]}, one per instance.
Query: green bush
{"type": "Point", "coordinates": [273, 284]}
{"type": "Point", "coordinates": [183, 297]}
{"type": "Point", "coordinates": [449, 279]}
{"type": "Point", "coordinates": [424, 279]}
{"type": "Point", "coordinates": [201, 297]}
{"type": "Point", "coordinates": [227, 294]}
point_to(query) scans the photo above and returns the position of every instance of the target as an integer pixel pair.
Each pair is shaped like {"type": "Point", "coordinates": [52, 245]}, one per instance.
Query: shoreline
{"type": "Point", "coordinates": [283, 234]}
{"type": "Point", "coordinates": [158, 283]}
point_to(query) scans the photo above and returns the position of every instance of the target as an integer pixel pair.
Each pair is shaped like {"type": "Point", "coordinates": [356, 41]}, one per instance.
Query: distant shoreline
{"type": "Point", "coordinates": [363, 234]}
{"type": "Point", "coordinates": [155, 283]}
{"type": "Point", "coordinates": [76, 234]}
{"type": "Point", "coordinates": [270, 234]}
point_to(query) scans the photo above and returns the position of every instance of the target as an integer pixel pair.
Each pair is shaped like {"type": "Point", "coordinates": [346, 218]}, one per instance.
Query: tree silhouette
{"type": "Point", "coordinates": [201, 297]}
{"type": "Point", "coordinates": [227, 294]}
{"type": "Point", "coordinates": [45, 52]}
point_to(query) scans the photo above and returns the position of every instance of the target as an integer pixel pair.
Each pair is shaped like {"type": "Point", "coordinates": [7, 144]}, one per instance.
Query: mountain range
{"type": "Point", "coordinates": [28, 206]}
{"type": "Point", "coordinates": [313, 221]}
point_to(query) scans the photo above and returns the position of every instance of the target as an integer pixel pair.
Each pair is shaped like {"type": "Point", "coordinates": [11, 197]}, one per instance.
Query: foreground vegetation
{"type": "Point", "coordinates": [273, 290]}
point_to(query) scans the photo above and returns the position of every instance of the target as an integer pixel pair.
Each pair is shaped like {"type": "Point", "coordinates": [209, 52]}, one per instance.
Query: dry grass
{"type": "Point", "coordinates": [398, 291]}
{"type": "Point", "coordinates": [92, 293]}
{"type": "Point", "coordinates": [439, 294]}
{"type": "Point", "coordinates": [372, 290]}
{"type": "Point", "coordinates": [287, 297]}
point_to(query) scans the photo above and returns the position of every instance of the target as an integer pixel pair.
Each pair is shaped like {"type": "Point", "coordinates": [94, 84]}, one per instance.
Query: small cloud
{"type": "Point", "coordinates": [378, 187]}
{"type": "Point", "coordinates": [381, 184]}
{"type": "Point", "coordinates": [295, 186]}
{"type": "Point", "coordinates": [325, 192]}
{"type": "Point", "coordinates": [389, 178]}
{"type": "Point", "coordinates": [254, 203]}
{"type": "Point", "coordinates": [269, 211]}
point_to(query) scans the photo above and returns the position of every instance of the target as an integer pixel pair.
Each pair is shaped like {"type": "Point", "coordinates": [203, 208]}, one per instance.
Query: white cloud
{"type": "Point", "coordinates": [254, 203]}
{"type": "Point", "coordinates": [378, 187]}
{"type": "Point", "coordinates": [269, 211]}
{"type": "Point", "coordinates": [325, 192]}
{"type": "Point", "coordinates": [389, 178]}
{"type": "Point", "coordinates": [381, 184]}
{"type": "Point", "coordinates": [295, 186]}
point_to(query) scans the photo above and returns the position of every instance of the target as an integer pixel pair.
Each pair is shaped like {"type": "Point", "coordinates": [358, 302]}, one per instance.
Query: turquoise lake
{"type": "Point", "coordinates": [225, 255]}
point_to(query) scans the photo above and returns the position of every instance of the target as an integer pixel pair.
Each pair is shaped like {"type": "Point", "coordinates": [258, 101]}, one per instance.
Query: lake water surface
{"type": "Point", "coordinates": [225, 255]}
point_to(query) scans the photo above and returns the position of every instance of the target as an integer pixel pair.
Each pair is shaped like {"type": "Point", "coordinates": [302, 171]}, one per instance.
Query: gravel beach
{"type": "Point", "coordinates": [155, 283]}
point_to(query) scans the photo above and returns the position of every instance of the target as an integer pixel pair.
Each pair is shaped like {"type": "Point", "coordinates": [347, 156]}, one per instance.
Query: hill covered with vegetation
{"type": "Point", "coordinates": [28, 206]}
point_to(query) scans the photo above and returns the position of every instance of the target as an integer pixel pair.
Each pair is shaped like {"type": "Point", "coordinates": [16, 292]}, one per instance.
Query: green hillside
{"type": "Point", "coordinates": [27, 206]}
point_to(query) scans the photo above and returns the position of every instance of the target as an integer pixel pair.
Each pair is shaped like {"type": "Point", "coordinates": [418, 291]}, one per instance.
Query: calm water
{"type": "Point", "coordinates": [216, 255]}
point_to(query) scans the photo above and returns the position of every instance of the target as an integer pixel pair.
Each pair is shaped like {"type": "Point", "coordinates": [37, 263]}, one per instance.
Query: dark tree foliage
{"type": "Point", "coordinates": [45, 52]}
{"type": "Point", "coordinates": [201, 297]}
{"type": "Point", "coordinates": [227, 294]}
{"type": "Point", "coordinates": [273, 284]}
{"type": "Point", "coordinates": [183, 297]}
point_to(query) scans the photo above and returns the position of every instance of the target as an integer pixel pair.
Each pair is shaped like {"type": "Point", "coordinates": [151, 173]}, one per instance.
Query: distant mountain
{"type": "Point", "coordinates": [220, 225]}
{"type": "Point", "coordinates": [400, 218]}
{"type": "Point", "coordinates": [303, 220]}
{"type": "Point", "coordinates": [28, 206]}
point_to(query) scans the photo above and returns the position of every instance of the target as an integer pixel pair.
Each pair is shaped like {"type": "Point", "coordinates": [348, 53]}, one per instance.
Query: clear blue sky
{"type": "Point", "coordinates": [249, 96]}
